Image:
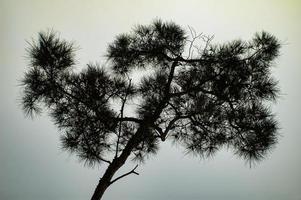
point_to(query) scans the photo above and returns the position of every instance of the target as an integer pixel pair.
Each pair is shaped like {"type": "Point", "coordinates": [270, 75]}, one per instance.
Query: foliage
{"type": "Point", "coordinates": [206, 101]}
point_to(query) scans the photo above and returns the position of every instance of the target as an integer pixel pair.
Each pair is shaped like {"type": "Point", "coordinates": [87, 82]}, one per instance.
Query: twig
{"type": "Point", "coordinates": [130, 172]}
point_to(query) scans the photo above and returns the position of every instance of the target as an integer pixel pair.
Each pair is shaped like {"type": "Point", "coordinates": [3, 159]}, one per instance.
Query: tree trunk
{"type": "Point", "coordinates": [99, 191]}
{"type": "Point", "coordinates": [105, 181]}
{"type": "Point", "coordinates": [118, 162]}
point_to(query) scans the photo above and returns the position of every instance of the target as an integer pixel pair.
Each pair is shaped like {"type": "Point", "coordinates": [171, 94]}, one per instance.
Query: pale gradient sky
{"type": "Point", "coordinates": [32, 167]}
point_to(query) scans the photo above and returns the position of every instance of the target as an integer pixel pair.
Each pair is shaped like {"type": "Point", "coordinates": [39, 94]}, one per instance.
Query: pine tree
{"type": "Point", "coordinates": [204, 97]}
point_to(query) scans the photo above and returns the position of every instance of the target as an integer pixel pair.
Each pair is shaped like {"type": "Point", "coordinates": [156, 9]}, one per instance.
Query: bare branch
{"type": "Point", "coordinates": [192, 41]}
{"type": "Point", "coordinates": [126, 174]}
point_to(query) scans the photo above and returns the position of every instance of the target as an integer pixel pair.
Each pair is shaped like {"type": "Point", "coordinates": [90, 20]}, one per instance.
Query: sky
{"type": "Point", "coordinates": [32, 165]}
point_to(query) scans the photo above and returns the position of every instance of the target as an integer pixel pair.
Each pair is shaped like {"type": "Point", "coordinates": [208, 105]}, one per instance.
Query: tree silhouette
{"type": "Point", "coordinates": [203, 96]}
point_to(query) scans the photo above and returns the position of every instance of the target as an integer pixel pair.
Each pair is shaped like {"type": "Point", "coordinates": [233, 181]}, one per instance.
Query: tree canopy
{"type": "Point", "coordinates": [204, 96]}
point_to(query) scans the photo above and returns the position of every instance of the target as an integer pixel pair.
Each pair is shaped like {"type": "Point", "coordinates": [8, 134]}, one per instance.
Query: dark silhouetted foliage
{"type": "Point", "coordinates": [203, 96]}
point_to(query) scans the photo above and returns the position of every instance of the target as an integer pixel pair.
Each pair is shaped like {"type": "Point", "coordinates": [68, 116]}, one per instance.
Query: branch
{"type": "Point", "coordinates": [163, 134]}
{"type": "Point", "coordinates": [194, 37]}
{"type": "Point", "coordinates": [130, 172]}
{"type": "Point", "coordinates": [196, 88]}
{"type": "Point", "coordinates": [107, 161]}
{"type": "Point", "coordinates": [171, 123]}
{"type": "Point", "coordinates": [121, 115]}
{"type": "Point", "coordinates": [167, 96]}
{"type": "Point", "coordinates": [171, 76]}
{"type": "Point", "coordinates": [176, 59]}
{"type": "Point", "coordinates": [174, 108]}
{"type": "Point", "coordinates": [207, 40]}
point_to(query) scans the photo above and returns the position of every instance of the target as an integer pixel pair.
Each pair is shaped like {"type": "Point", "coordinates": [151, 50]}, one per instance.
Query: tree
{"type": "Point", "coordinates": [202, 96]}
